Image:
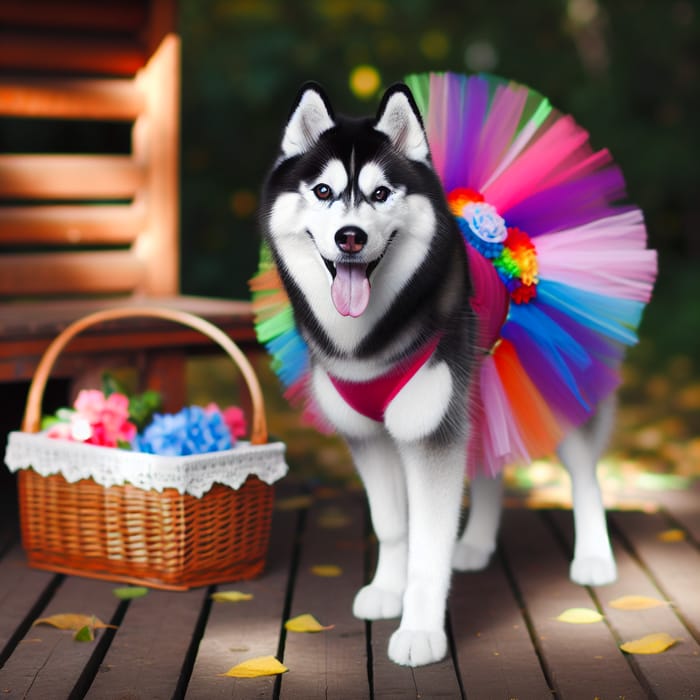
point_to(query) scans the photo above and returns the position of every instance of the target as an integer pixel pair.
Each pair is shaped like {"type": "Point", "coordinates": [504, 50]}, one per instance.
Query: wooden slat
{"type": "Point", "coordinates": [491, 638]}
{"type": "Point", "coordinates": [48, 662]}
{"type": "Point", "coordinates": [114, 15]}
{"type": "Point", "coordinates": [117, 224]}
{"type": "Point", "coordinates": [673, 675]}
{"type": "Point", "coordinates": [109, 99]}
{"type": "Point", "coordinates": [20, 589]}
{"type": "Point", "coordinates": [156, 141]}
{"type": "Point", "coordinates": [674, 565]}
{"type": "Point", "coordinates": [236, 632]}
{"type": "Point", "coordinates": [69, 177]}
{"type": "Point", "coordinates": [69, 273]}
{"type": "Point", "coordinates": [331, 664]}
{"type": "Point", "coordinates": [391, 681]}
{"type": "Point", "coordinates": [147, 653]}
{"type": "Point", "coordinates": [581, 660]}
{"type": "Point", "coordinates": [85, 55]}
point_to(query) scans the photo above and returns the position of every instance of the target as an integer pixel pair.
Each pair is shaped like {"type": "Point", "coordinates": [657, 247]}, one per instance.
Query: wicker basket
{"type": "Point", "coordinates": [162, 538]}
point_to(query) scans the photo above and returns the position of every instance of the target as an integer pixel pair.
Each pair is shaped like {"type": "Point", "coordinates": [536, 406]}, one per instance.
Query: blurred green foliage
{"type": "Point", "coordinates": [626, 69]}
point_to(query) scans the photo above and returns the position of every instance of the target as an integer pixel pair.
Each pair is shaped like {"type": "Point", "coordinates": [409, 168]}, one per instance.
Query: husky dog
{"type": "Point", "coordinates": [376, 270]}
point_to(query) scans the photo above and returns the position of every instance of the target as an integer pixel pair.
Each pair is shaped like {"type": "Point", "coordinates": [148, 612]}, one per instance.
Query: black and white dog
{"type": "Point", "coordinates": [376, 270]}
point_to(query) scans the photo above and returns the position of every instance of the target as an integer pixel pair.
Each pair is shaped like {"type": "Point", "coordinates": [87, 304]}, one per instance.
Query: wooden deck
{"type": "Point", "coordinates": [505, 640]}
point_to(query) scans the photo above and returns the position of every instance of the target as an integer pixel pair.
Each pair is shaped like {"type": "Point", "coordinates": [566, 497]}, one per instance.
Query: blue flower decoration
{"type": "Point", "coordinates": [191, 431]}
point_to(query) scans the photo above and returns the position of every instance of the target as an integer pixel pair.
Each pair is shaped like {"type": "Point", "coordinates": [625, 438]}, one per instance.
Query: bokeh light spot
{"type": "Point", "coordinates": [364, 81]}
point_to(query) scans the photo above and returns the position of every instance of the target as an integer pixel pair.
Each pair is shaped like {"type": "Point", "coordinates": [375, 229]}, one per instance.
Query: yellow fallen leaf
{"type": "Point", "coordinates": [673, 535]}
{"type": "Point", "coordinates": [650, 644]}
{"type": "Point", "coordinates": [230, 596]}
{"type": "Point", "coordinates": [580, 616]}
{"type": "Point", "coordinates": [306, 623]}
{"type": "Point", "coordinates": [333, 518]}
{"type": "Point", "coordinates": [636, 602]}
{"type": "Point", "coordinates": [326, 570]}
{"type": "Point", "coordinates": [73, 621]}
{"type": "Point", "coordinates": [293, 503]}
{"type": "Point", "coordinates": [253, 668]}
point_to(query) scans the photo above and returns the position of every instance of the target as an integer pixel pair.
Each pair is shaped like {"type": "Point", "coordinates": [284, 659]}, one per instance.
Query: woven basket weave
{"type": "Point", "coordinates": [164, 539]}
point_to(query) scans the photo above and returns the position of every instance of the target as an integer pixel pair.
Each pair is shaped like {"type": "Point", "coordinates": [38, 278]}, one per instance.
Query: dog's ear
{"type": "Point", "coordinates": [398, 117]}
{"type": "Point", "coordinates": [310, 117]}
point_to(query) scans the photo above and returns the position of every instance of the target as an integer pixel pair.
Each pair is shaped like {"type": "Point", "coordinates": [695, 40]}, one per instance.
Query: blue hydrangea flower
{"type": "Point", "coordinates": [191, 431]}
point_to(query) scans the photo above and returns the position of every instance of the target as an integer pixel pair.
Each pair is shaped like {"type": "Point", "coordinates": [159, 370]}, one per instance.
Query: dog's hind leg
{"type": "Point", "coordinates": [593, 563]}
{"type": "Point", "coordinates": [379, 465]}
{"type": "Point", "coordinates": [474, 548]}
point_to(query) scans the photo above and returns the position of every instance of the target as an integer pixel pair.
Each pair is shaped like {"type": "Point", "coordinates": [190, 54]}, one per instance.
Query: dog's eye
{"type": "Point", "coordinates": [322, 191]}
{"type": "Point", "coordinates": [381, 194]}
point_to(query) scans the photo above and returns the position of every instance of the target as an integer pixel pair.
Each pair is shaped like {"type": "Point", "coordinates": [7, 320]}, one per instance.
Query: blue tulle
{"type": "Point", "coordinates": [614, 317]}
{"type": "Point", "coordinates": [290, 356]}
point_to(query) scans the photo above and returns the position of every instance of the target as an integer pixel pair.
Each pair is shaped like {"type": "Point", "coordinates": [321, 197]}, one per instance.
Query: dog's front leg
{"type": "Point", "coordinates": [434, 478]}
{"type": "Point", "coordinates": [379, 465]}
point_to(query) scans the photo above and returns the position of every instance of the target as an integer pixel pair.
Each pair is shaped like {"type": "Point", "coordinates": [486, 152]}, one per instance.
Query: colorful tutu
{"type": "Point", "coordinates": [561, 270]}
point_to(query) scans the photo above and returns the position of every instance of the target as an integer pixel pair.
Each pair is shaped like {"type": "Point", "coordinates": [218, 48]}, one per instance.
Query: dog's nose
{"type": "Point", "coordinates": [350, 239]}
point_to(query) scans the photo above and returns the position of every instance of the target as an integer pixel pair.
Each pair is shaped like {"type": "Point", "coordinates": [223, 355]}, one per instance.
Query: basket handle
{"type": "Point", "coordinates": [32, 414]}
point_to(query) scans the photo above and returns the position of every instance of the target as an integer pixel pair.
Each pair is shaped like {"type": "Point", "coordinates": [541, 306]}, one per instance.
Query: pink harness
{"type": "Point", "coordinates": [489, 302]}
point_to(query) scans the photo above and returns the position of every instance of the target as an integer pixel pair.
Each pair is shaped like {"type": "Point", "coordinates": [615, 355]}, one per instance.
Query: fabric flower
{"type": "Point", "coordinates": [193, 430]}
{"type": "Point", "coordinates": [485, 222]}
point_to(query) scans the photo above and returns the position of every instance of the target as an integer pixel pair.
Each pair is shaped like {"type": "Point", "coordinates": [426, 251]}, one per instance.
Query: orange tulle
{"type": "Point", "coordinates": [539, 429]}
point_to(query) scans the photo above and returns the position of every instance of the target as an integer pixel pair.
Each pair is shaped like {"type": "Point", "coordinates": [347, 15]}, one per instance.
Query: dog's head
{"type": "Point", "coordinates": [343, 190]}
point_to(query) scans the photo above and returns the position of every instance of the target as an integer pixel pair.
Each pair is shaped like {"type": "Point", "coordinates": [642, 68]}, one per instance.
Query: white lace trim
{"type": "Point", "coordinates": [194, 474]}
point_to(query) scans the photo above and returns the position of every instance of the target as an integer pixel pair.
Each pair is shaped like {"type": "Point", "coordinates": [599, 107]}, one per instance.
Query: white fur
{"type": "Point", "coordinates": [309, 120]}
{"type": "Point", "coordinates": [401, 125]}
{"type": "Point", "coordinates": [414, 486]}
{"type": "Point", "coordinates": [303, 230]}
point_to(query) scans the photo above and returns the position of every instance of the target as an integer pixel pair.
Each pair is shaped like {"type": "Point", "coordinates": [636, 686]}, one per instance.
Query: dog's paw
{"type": "Point", "coordinates": [373, 603]}
{"type": "Point", "coordinates": [593, 571]}
{"type": "Point", "coordinates": [417, 647]}
{"type": "Point", "coordinates": [467, 557]}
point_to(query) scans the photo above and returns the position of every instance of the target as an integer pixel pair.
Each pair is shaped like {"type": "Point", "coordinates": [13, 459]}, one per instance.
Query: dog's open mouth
{"type": "Point", "coordinates": [350, 289]}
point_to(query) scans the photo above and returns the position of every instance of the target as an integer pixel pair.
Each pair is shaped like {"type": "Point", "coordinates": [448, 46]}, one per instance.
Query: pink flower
{"type": "Point", "coordinates": [234, 419]}
{"type": "Point", "coordinates": [108, 418]}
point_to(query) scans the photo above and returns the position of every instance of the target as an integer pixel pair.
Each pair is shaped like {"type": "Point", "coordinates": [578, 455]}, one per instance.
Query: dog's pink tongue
{"type": "Point", "coordinates": [350, 289]}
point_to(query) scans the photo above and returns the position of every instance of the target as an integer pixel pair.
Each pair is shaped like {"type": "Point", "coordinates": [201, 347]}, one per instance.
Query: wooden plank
{"type": "Point", "coordinates": [91, 55]}
{"type": "Point", "coordinates": [114, 15]}
{"type": "Point", "coordinates": [48, 662]}
{"type": "Point", "coordinates": [496, 656]}
{"type": "Point", "coordinates": [392, 681]}
{"type": "Point", "coordinates": [70, 176]}
{"type": "Point", "coordinates": [24, 321]}
{"type": "Point", "coordinates": [93, 272]}
{"type": "Point", "coordinates": [20, 590]}
{"type": "Point", "coordinates": [109, 99]}
{"type": "Point", "coordinates": [331, 664]}
{"type": "Point", "coordinates": [683, 507]}
{"type": "Point", "coordinates": [146, 656]}
{"type": "Point", "coordinates": [71, 224]}
{"type": "Point", "coordinates": [675, 566]}
{"type": "Point", "coordinates": [156, 141]}
{"type": "Point", "coordinates": [238, 631]}
{"type": "Point", "coordinates": [673, 675]}
{"type": "Point", "coordinates": [581, 661]}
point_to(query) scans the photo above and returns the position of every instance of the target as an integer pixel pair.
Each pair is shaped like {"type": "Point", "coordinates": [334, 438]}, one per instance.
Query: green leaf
{"type": "Point", "coordinates": [130, 592]}
{"type": "Point", "coordinates": [143, 406]}
{"type": "Point", "coordinates": [85, 634]}
{"type": "Point", "coordinates": [111, 385]}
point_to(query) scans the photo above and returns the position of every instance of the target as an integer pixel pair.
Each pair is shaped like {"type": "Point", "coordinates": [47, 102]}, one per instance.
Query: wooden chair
{"type": "Point", "coordinates": [81, 232]}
